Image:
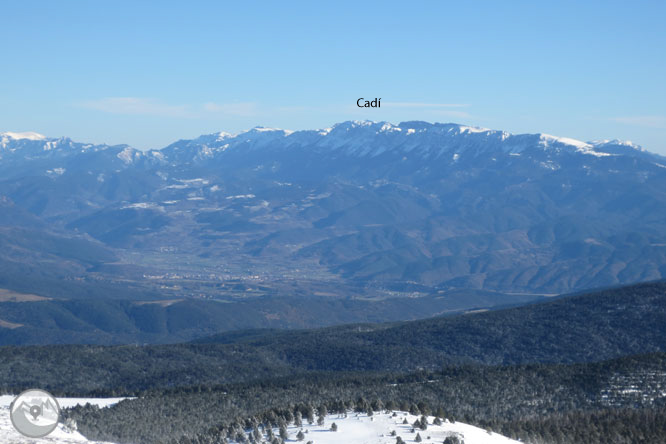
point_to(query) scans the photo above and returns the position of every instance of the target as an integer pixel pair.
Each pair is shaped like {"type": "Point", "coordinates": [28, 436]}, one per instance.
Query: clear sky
{"type": "Point", "coordinates": [148, 73]}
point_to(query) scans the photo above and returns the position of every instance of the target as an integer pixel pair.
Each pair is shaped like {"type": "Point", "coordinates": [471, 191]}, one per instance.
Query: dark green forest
{"type": "Point", "coordinates": [527, 400]}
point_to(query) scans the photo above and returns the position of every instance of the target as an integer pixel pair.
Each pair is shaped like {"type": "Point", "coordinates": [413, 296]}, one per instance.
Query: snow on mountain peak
{"type": "Point", "coordinates": [546, 139]}
{"type": "Point", "coordinates": [583, 147]}
{"type": "Point", "coordinates": [626, 143]}
{"type": "Point", "coordinates": [222, 135]}
{"type": "Point", "coordinates": [387, 127]}
{"type": "Point", "coordinates": [473, 129]}
{"type": "Point", "coordinates": [261, 129]}
{"type": "Point", "coordinates": [29, 135]}
{"type": "Point", "coordinates": [356, 123]}
{"type": "Point", "coordinates": [351, 124]}
{"type": "Point", "coordinates": [128, 155]}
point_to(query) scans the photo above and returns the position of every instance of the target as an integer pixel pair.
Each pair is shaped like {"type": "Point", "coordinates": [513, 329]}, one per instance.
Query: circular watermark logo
{"type": "Point", "coordinates": [34, 413]}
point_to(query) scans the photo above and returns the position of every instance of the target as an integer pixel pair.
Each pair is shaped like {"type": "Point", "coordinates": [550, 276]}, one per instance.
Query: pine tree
{"type": "Point", "coordinates": [334, 427]}
{"type": "Point", "coordinates": [424, 423]}
{"type": "Point", "coordinates": [283, 432]}
{"type": "Point", "coordinates": [310, 414]}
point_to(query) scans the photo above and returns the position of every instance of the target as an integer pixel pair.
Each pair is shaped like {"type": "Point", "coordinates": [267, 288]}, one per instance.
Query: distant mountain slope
{"type": "Point", "coordinates": [36, 258]}
{"type": "Point", "coordinates": [580, 328]}
{"type": "Point", "coordinates": [103, 321]}
{"type": "Point", "coordinates": [370, 204]}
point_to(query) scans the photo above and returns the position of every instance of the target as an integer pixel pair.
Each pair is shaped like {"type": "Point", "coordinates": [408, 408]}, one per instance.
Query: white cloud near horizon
{"type": "Point", "coordinates": [236, 109]}
{"type": "Point", "coordinates": [152, 107]}
{"type": "Point", "coordinates": [658, 122]}
{"type": "Point", "coordinates": [424, 105]}
{"type": "Point", "coordinates": [135, 106]}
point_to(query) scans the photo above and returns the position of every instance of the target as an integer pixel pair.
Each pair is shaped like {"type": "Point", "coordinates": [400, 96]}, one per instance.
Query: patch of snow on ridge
{"type": "Point", "coordinates": [356, 123]}
{"type": "Point", "coordinates": [473, 129]}
{"type": "Point", "coordinates": [627, 143]}
{"type": "Point", "coordinates": [56, 171]}
{"type": "Point", "coordinates": [545, 139]}
{"type": "Point", "coordinates": [28, 135]}
{"type": "Point", "coordinates": [195, 182]}
{"type": "Point", "coordinates": [141, 205]}
{"type": "Point", "coordinates": [261, 129]}
{"type": "Point", "coordinates": [157, 154]}
{"type": "Point", "coordinates": [126, 155]}
{"type": "Point", "coordinates": [582, 147]}
{"type": "Point", "coordinates": [388, 127]}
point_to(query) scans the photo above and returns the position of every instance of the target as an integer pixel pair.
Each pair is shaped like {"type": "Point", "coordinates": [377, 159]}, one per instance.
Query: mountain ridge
{"type": "Point", "coordinates": [367, 204]}
{"type": "Point", "coordinates": [410, 127]}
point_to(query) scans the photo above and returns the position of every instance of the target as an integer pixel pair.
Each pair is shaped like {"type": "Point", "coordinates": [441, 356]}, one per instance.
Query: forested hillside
{"type": "Point", "coordinates": [581, 328]}
{"type": "Point", "coordinates": [515, 400]}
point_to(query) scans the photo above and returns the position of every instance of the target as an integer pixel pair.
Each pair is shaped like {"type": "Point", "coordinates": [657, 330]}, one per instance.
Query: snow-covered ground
{"type": "Point", "coordinates": [361, 429]}
{"type": "Point", "coordinates": [59, 436]}
{"type": "Point", "coordinates": [355, 428]}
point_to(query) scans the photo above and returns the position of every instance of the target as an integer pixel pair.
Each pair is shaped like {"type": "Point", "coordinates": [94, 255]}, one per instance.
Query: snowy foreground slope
{"type": "Point", "coordinates": [59, 436]}
{"type": "Point", "coordinates": [352, 429]}
{"type": "Point", "coordinates": [361, 429]}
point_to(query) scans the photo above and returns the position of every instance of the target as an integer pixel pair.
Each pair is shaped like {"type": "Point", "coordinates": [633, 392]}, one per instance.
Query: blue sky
{"type": "Point", "coordinates": [148, 73]}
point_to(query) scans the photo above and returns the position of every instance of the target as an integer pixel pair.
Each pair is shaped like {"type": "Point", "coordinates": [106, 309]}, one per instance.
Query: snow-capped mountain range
{"type": "Point", "coordinates": [362, 138]}
{"type": "Point", "coordinates": [442, 205]}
